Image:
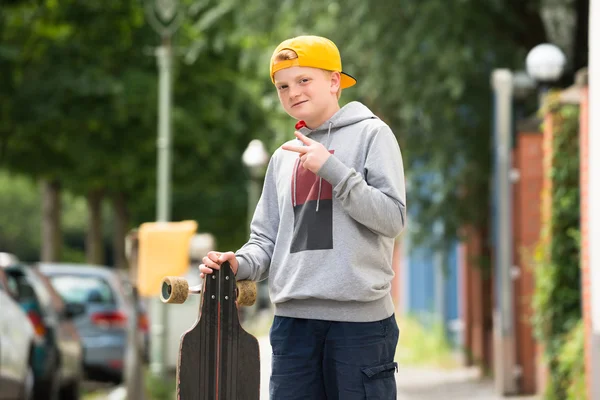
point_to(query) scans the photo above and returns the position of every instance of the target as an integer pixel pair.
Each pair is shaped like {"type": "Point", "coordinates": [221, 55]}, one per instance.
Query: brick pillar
{"type": "Point", "coordinates": [464, 302]}
{"type": "Point", "coordinates": [586, 285]}
{"type": "Point", "coordinates": [585, 249]}
{"type": "Point", "coordinates": [547, 140]}
{"type": "Point", "coordinates": [593, 196]}
{"type": "Point", "coordinates": [475, 301]}
{"type": "Point", "coordinates": [545, 216]}
{"type": "Point", "coordinates": [527, 158]}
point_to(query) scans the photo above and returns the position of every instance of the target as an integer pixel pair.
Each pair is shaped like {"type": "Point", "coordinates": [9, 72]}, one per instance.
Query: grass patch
{"type": "Point", "coordinates": [93, 396]}
{"type": "Point", "coordinates": [260, 324]}
{"type": "Point", "coordinates": [160, 389]}
{"type": "Point", "coordinates": [419, 346]}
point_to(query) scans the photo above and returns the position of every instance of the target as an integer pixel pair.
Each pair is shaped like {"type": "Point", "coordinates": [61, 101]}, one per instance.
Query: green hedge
{"type": "Point", "coordinates": [571, 364]}
{"type": "Point", "coordinates": [557, 297]}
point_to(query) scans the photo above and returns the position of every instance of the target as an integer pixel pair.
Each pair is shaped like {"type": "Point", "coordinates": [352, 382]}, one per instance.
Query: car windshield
{"type": "Point", "coordinates": [83, 289]}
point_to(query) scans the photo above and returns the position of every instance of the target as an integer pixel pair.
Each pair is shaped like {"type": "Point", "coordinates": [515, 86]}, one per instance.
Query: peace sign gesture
{"type": "Point", "coordinates": [312, 156]}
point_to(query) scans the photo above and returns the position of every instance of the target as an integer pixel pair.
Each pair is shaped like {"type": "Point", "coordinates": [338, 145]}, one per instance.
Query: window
{"type": "Point", "coordinates": [43, 295]}
{"type": "Point", "coordinates": [83, 289]}
{"type": "Point", "coordinates": [20, 287]}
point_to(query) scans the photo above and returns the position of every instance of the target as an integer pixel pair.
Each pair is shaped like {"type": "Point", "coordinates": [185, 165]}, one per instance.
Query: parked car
{"type": "Point", "coordinates": [103, 328]}
{"type": "Point", "coordinates": [17, 340]}
{"type": "Point", "coordinates": [58, 357]}
{"type": "Point", "coordinates": [8, 258]}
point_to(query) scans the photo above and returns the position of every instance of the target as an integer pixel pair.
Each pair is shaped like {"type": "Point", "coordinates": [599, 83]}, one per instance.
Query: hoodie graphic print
{"type": "Point", "coordinates": [312, 199]}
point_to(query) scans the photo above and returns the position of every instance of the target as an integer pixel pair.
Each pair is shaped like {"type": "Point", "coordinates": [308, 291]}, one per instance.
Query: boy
{"type": "Point", "coordinates": [323, 233]}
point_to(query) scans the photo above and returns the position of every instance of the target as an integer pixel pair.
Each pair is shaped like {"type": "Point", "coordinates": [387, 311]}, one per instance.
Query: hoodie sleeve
{"type": "Point", "coordinates": [254, 258]}
{"type": "Point", "coordinates": [378, 201]}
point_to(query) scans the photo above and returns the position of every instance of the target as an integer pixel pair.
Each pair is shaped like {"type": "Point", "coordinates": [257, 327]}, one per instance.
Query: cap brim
{"type": "Point", "coordinates": [347, 80]}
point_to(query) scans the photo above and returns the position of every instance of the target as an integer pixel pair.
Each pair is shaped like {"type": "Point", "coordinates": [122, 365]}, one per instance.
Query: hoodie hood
{"type": "Point", "coordinates": [351, 113]}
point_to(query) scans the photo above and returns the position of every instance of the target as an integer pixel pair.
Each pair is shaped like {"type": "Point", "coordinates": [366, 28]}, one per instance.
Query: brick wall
{"type": "Point", "coordinates": [475, 301]}
{"type": "Point", "coordinates": [548, 135]}
{"type": "Point", "coordinates": [585, 260]}
{"type": "Point", "coordinates": [527, 158]}
{"type": "Point", "coordinates": [545, 216]}
{"type": "Point", "coordinates": [465, 309]}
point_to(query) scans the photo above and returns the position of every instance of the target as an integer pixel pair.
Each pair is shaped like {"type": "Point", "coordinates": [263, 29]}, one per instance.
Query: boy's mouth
{"type": "Point", "coordinates": [298, 103]}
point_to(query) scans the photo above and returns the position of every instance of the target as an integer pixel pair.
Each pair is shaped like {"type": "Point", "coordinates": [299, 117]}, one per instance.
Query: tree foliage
{"type": "Point", "coordinates": [82, 107]}
{"type": "Point", "coordinates": [424, 67]}
{"type": "Point", "coordinates": [79, 99]}
{"type": "Point", "coordinates": [20, 215]}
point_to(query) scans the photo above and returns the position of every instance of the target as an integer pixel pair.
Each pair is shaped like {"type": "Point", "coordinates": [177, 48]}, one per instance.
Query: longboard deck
{"type": "Point", "coordinates": [218, 359]}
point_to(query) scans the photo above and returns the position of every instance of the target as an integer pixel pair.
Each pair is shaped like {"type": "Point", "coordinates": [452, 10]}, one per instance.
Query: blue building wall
{"type": "Point", "coordinates": [421, 283]}
{"type": "Point", "coordinates": [432, 287]}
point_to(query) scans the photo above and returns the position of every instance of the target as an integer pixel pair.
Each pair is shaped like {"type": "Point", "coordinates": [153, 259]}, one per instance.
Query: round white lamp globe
{"type": "Point", "coordinates": [255, 154]}
{"type": "Point", "coordinates": [545, 62]}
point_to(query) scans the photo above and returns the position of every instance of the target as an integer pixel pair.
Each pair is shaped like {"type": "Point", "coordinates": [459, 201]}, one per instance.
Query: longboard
{"type": "Point", "coordinates": [218, 359]}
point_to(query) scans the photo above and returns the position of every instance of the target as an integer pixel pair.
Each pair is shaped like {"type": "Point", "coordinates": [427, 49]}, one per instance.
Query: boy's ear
{"type": "Point", "coordinates": [336, 81]}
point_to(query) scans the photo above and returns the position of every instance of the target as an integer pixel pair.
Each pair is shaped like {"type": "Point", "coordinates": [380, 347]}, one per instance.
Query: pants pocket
{"type": "Point", "coordinates": [379, 381]}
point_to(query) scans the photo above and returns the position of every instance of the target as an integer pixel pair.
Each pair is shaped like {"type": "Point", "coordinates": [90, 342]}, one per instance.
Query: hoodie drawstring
{"type": "Point", "coordinates": [295, 179]}
{"type": "Point", "coordinates": [321, 179]}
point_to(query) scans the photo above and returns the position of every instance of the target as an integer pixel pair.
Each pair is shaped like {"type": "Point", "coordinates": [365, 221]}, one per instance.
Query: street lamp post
{"type": "Point", "coordinates": [545, 64]}
{"type": "Point", "coordinates": [165, 16]}
{"type": "Point", "coordinates": [504, 332]}
{"type": "Point", "coordinates": [255, 158]}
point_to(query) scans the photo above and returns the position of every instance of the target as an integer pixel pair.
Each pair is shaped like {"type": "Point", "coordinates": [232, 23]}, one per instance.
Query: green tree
{"type": "Point", "coordinates": [87, 88]}
{"type": "Point", "coordinates": [424, 67]}
{"type": "Point", "coordinates": [20, 216]}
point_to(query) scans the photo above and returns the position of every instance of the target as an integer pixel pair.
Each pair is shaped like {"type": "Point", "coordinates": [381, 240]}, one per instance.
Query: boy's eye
{"type": "Point", "coordinates": [303, 80]}
{"type": "Point", "coordinates": [281, 87]}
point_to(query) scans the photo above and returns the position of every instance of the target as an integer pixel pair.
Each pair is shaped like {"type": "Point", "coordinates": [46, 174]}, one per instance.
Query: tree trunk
{"type": "Point", "coordinates": [94, 249]}
{"type": "Point", "coordinates": [121, 215]}
{"type": "Point", "coordinates": [51, 226]}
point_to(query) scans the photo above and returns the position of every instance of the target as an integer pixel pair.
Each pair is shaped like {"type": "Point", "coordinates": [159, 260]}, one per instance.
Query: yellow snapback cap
{"type": "Point", "coordinates": [312, 51]}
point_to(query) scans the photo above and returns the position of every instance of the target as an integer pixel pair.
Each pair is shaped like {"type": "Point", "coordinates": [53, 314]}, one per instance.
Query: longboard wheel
{"type": "Point", "coordinates": [246, 293]}
{"type": "Point", "coordinates": [174, 290]}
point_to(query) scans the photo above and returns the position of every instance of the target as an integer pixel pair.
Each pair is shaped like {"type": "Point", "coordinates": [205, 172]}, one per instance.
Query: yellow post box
{"type": "Point", "coordinates": [163, 250]}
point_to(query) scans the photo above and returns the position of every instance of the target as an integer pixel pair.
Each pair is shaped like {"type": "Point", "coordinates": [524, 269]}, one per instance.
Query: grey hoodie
{"type": "Point", "coordinates": [325, 241]}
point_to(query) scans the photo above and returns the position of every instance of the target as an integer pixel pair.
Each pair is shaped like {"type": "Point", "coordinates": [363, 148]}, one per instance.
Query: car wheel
{"type": "Point", "coordinates": [71, 391]}
{"type": "Point", "coordinates": [49, 388]}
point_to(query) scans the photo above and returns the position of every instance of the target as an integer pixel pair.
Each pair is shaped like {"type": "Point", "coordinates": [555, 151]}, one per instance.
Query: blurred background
{"type": "Point", "coordinates": [114, 114]}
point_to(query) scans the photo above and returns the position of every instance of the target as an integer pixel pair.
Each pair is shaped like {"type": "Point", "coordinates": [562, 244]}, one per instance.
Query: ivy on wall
{"type": "Point", "coordinates": [557, 296]}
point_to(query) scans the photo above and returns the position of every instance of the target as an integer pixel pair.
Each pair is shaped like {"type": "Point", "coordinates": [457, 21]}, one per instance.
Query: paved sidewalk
{"type": "Point", "coordinates": [434, 384]}
{"type": "Point", "coordinates": [413, 383]}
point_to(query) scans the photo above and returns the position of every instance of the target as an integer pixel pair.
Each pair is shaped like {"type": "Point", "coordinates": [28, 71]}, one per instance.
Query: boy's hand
{"type": "Point", "coordinates": [312, 156]}
{"type": "Point", "coordinates": [214, 259]}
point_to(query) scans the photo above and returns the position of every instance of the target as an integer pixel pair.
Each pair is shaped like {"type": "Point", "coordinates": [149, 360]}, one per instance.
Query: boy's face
{"type": "Point", "coordinates": [307, 93]}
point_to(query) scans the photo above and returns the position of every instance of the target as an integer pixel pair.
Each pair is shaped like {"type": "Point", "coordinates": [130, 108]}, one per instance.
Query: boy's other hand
{"type": "Point", "coordinates": [214, 259]}
{"type": "Point", "coordinates": [312, 156]}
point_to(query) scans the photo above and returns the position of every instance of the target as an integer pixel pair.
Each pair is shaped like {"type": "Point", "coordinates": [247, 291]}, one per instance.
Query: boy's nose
{"type": "Point", "coordinates": [294, 92]}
